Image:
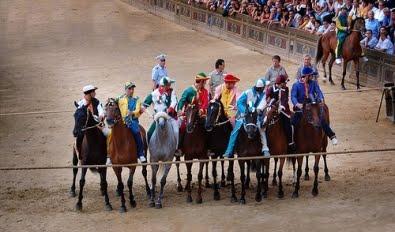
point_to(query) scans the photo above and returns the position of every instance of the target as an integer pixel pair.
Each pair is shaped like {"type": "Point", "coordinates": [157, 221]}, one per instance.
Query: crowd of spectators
{"type": "Point", "coordinates": [316, 16]}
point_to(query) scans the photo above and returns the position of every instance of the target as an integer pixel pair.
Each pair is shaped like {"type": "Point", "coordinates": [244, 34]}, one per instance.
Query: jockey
{"type": "Point", "coordinates": [255, 95]}
{"type": "Point", "coordinates": [130, 108]}
{"type": "Point", "coordinates": [228, 94]}
{"type": "Point", "coordinates": [341, 33]}
{"type": "Point", "coordinates": [280, 92]}
{"type": "Point", "coordinates": [91, 102]}
{"type": "Point", "coordinates": [159, 71]}
{"type": "Point", "coordinates": [307, 89]}
{"type": "Point", "coordinates": [166, 95]}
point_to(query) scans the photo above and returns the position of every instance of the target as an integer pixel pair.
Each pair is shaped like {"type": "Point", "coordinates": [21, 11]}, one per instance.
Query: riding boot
{"type": "Point", "coordinates": [265, 148]}
{"type": "Point", "coordinates": [289, 132]}
{"type": "Point", "coordinates": [232, 139]}
{"type": "Point", "coordinates": [135, 129]}
{"type": "Point", "coordinates": [176, 129]}
{"type": "Point", "coordinates": [327, 129]}
{"type": "Point", "coordinates": [151, 131]}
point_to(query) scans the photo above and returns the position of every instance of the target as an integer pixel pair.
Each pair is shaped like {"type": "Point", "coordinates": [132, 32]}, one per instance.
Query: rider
{"type": "Point", "coordinates": [341, 33]}
{"type": "Point", "coordinates": [228, 94]}
{"type": "Point", "coordinates": [280, 92]}
{"type": "Point", "coordinates": [159, 71]}
{"type": "Point", "coordinates": [130, 108]}
{"type": "Point", "coordinates": [166, 95]}
{"type": "Point", "coordinates": [306, 89]}
{"type": "Point", "coordinates": [255, 95]}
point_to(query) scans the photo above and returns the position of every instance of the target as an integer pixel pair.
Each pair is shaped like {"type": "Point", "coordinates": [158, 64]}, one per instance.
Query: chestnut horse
{"type": "Point", "coordinates": [122, 150]}
{"type": "Point", "coordinates": [219, 128]}
{"type": "Point", "coordinates": [310, 137]}
{"type": "Point", "coordinates": [352, 49]}
{"type": "Point", "coordinates": [194, 146]}
{"type": "Point", "coordinates": [92, 150]}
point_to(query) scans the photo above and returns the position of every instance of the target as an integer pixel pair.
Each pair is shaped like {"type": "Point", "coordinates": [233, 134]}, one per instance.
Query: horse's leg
{"type": "Point", "coordinates": [326, 170]}
{"type": "Point", "coordinates": [154, 169]}
{"type": "Point", "coordinates": [207, 184]}
{"type": "Point", "coordinates": [280, 193]}
{"type": "Point", "coordinates": [247, 180]}
{"type": "Point", "coordinates": [331, 61]}
{"type": "Point", "coordinates": [298, 175]}
{"type": "Point", "coordinates": [78, 206]}
{"type": "Point", "coordinates": [293, 171]}
{"type": "Point", "coordinates": [103, 187]}
{"type": "Point", "coordinates": [179, 185]}
{"type": "Point", "coordinates": [144, 172]}
{"type": "Point", "coordinates": [188, 187]}
{"type": "Point", "coordinates": [265, 172]}
{"type": "Point", "coordinates": [158, 204]}
{"type": "Point", "coordinates": [223, 182]}
{"type": "Point", "coordinates": [274, 182]}
{"type": "Point", "coordinates": [344, 74]}
{"type": "Point", "coordinates": [215, 185]}
{"type": "Point", "coordinates": [199, 199]}
{"type": "Point", "coordinates": [75, 171]}
{"type": "Point", "coordinates": [316, 169]}
{"type": "Point", "coordinates": [258, 195]}
{"type": "Point", "coordinates": [356, 64]}
{"type": "Point", "coordinates": [120, 187]}
{"type": "Point", "coordinates": [243, 180]}
{"type": "Point", "coordinates": [306, 169]}
{"type": "Point", "coordinates": [231, 177]}
{"type": "Point", "coordinates": [130, 186]}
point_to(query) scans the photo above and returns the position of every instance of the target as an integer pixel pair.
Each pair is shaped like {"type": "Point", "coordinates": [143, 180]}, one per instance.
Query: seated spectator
{"type": "Point", "coordinates": [265, 16]}
{"type": "Point", "coordinates": [372, 24]}
{"type": "Point", "coordinates": [304, 20]}
{"type": "Point", "coordinates": [257, 13]}
{"type": "Point", "coordinates": [271, 16]}
{"type": "Point", "coordinates": [338, 5]}
{"type": "Point", "coordinates": [364, 8]}
{"type": "Point", "coordinates": [369, 41]}
{"type": "Point", "coordinates": [379, 12]}
{"type": "Point", "coordinates": [386, 19]}
{"type": "Point", "coordinates": [293, 20]}
{"type": "Point", "coordinates": [354, 12]}
{"type": "Point", "coordinates": [331, 6]}
{"type": "Point", "coordinates": [284, 19]}
{"type": "Point", "coordinates": [310, 26]}
{"type": "Point", "coordinates": [234, 7]}
{"type": "Point", "coordinates": [321, 30]}
{"type": "Point", "coordinates": [243, 7]}
{"type": "Point", "coordinates": [275, 70]}
{"type": "Point", "coordinates": [384, 44]}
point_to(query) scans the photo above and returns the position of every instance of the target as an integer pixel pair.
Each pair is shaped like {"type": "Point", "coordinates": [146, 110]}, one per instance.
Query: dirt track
{"type": "Point", "coordinates": [50, 49]}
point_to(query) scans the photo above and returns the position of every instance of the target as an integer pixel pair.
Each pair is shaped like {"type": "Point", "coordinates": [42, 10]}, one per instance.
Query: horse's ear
{"type": "Point", "coordinates": [75, 104]}
{"type": "Point", "coordinates": [219, 98]}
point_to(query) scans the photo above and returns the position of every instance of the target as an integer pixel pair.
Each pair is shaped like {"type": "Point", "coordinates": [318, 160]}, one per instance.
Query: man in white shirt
{"type": "Point", "coordinates": [369, 41]}
{"type": "Point", "coordinates": [379, 12]}
{"type": "Point", "coordinates": [385, 44]}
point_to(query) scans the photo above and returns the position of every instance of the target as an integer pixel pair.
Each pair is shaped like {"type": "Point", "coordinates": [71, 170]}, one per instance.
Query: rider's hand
{"type": "Point", "coordinates": [201, 112]}
{"type": "Point", "coordinates": [142, 109]}
{"type": "Point", "coordinates": [101, 118]}
{"type": "Point", "coordinates": [300, 106]}
{"type": "Point", "coordinates": [130, 113]}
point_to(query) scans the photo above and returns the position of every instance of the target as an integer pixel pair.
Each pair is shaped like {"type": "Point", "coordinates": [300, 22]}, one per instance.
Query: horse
{"type": "Point", "coordinates": [352, 49]}
{"type": "Point", "coordinates": [122, 150]}
{"type": "Point", "coordinates": [249, 144]}
{"type": "Point", "coordinates": [194, 147]}
{"type": "Point", "coordinates": [316, 141]}
{"type": "Point", "coordinates": [277, 141]}
{"type": "Point", "coordinates": [219, 128]}
{"type": "Point", "coordinates": [92, 150]}
{"type": "Point", "coordinates": [162, 146]}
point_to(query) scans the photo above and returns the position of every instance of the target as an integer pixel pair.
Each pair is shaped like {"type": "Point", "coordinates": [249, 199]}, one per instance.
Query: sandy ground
{"type": "Point", "coordinates": [50, 49]}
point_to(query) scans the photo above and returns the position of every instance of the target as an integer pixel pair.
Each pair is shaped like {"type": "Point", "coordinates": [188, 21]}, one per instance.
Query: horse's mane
{"type": "Point", "coordinates": [355, 20]}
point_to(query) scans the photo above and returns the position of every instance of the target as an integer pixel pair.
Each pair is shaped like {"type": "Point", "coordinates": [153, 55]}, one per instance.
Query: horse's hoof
{"type": "Point", "coordinates": [306, 177]}
{"type": "Point", "coordinates": [207, 185]}
{"type": "Point", "coordinates": [108, 207]}
{"type": "Point", "coordinates": [78, 207]}
{"type": "Point", "coordinates": [151, 204]}
{"type": "Point", "coordinates": [274, 183]}
{"type": "Point", "coordinates": [199, 201]}
{"type": "Point", "coordinates": [258, 197]}
{"type": "Point", "coordinates": [264, 195]}
{"type": "Point", "coordinates": [133, 204]}
{"type": "Point", "coordinates": [158, 205]}
{"type": "Point", "coordinates": [343, 88]}
{"type": "Point", "coordinates": [223, 183]}
{"type": "Point", "coordinates": [148, 191]}
{"type": "Point", "coordinates": [233, 199]}
{"type": "Point", "coordinates": [217, 196]}
{"type": "Point", "coordinates": [242, 201]}
{"type": "Point", "coordinates": [295, 195]}
{"type": "Point", "coordinates": [122, 209]}
{"type": "Point", "coordinates": [280, 195]}
{"type": "Point", "coordinates": [327, 178]}
{"type": "Point", "coordinates": [179, 188]}
{"type": "Point", "coordinates": [314, 192]}
{"type": "Point", "coordinates": [189, 199]}
{"type": "Point", "coordinates": [72, 193]}
{"type": "Point", "coordinates": [358, 87]}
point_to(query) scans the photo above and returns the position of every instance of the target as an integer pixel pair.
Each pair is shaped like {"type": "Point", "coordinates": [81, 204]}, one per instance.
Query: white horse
{"type": "Point", "coordinates": [162, 147]}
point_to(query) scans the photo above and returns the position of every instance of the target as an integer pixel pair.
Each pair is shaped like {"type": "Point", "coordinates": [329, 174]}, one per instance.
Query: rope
{"type": "Point", "coordinates": [36, 112]}
{"type": "Point", "coordinates": [353, 90]}
{"type": "Point", "coordinates": [199, 161]}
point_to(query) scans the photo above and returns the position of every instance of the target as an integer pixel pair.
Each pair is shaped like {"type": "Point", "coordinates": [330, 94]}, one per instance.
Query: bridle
{"type": "Point", "coordinates": [85, 128]}
{"type": "Point", "coordinates": [195, 121]}
{"type": "Point", "coordinates": [216, 123]}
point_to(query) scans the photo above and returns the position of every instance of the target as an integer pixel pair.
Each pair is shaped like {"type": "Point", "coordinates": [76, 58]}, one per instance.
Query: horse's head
{"type": "Point", "coordinates": [250, 122]}
{"type": "Point", "coordinates": [312, 114]}
{"type": "Point", "coordinates": [358, 24]}
{"type": "Point", "coordinates": [191, 113]}
{"type": "Point", "coordinates": [272, 114]}
{"type": "Point", "coordinates": [112, 112]}
{"type": "Point", "coordinates": [214, 111]}
{"type": "Point", "coordinates": [160, 116]}
{"type": "Point", "coordinates": [80, 120]}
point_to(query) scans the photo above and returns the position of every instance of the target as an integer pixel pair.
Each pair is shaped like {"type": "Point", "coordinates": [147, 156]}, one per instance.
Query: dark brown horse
{"type": "Point", "coordinates": [277, 141]}
{"type": "Point", "coordinates": [351, 49]}
{"type": "Point", "coordinates": [122, 150]}
{"type": "Point", "coordinates": [310, 137]}
{"type": "Point", "coordinates": [92, 150]}
{"type": "Point", "coordinates": [194, 146]}
{"type": "Point", "coordinates": [218, 129]}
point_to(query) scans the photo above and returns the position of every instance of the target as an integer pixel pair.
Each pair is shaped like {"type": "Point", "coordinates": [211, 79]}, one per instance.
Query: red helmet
{"type": "Point", "coordinates": [230, 78]}
{"type": "Point", "coordinates": [281, 79]}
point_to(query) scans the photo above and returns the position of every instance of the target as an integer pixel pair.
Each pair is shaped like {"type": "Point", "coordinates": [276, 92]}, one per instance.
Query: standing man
{"type": "Point", "coordinates": [275, 70]}
{"type": "Point", "coordinates": [159, 71]}
{"type": "Point", "coordinates": [216, 76]}
{"type": "Point", "coordinates": [307, 63]}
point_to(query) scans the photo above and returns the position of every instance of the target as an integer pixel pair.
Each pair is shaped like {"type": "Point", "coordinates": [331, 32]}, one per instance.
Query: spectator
{"type": "Point", "coordinates": [386, 22]}
{"type": "Point", "coordinates": [338, 5]}
{"type": "Point", "coordinates": [372, 24]}
{"type": "Point", "coordinates": [234, 7]}
{"type": "Point", "coordinates": [369, 41]}
{"type": "Point", "coordinates": [257, 13]}
{"type": "Point", "coordinates": [392, 26]}
{"type": "Point", "coordinates": [310, 26]}
{"type": "Point", "coordinates": [379, 12]}
{"type": "Point", "coordinates": [275, 70]}
{"type": "Point", "coordinates": [323, 28]}
{"type": "Point", "coordinates": [332, 27]}
{"type": "Point", "coordinates": [243, 7]}
{"type": "Point", "coordinates": [307, 63]}
{"type": "Point", "coordinates": [265, 16]}
{"type": "Point", "coordinates": [354, 12]}
{"type": "Point", "coordinates": [331, 6]}
{"type": "Point", "coordinates": [364, 8]}
{"type": "Point", "coordinates": [217, 75]}
{"type": "Point", "coordinates": [284, 19]}
{"type": "Point", "coordinates": [303, 22]}
{"type": "Point", "coordinates": [384, 44]}
{"type": "Point", "coordinates": [293, 20]}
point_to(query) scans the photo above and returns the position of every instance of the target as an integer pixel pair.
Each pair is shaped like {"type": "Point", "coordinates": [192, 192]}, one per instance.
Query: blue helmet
{"type": "Point", "coordinates": [308, 71]}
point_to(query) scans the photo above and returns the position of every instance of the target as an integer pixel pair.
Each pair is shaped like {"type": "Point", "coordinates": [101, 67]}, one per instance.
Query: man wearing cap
{"type": "Point", "coordinates": [91, 102]}
{"type": "Point", "coordinates": [166, 95]}
{"type": "Point", "coordinates": [228, 94]}
{"type": "Point", "coordinates": [217, 76]}
{"type": "Point", "coordinates": [307, 63]}
{"type": "Point", "coordinates": [280, 92]}
{"type": "Point", "coordinates": [306, 89]}
{"type": "Point", "coordinates": [255, 95]}
{"type": "Point", "coordinates": [159, 71]}
{"type": "Point", "coordinates": [130, 108]}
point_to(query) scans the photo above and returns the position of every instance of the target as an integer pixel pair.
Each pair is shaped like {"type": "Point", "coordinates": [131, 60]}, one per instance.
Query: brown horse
{"type": "Point", "coordinates": [277, 141]}
{"type": "Point", "coordinates": [122, 150]}
{"type": "Point", "coordinates": [310, 137]}
{"type": "Point", "coordinates": [352, 50]}
{"type": "Point", "coordinates": [91, 150]}
{"type": "Point", "coordinates": [194, 146]}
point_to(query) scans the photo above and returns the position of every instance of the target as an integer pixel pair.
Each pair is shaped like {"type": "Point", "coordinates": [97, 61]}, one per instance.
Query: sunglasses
{"type": "Point", "coordinates": [162, 60]}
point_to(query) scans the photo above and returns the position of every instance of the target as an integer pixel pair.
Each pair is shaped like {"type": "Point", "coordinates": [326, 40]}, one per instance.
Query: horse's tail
{"type": "Point", "coordinates": [320, 51]}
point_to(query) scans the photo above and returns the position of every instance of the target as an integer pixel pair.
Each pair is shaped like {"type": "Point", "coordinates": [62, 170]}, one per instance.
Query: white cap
{"type": "Point", "coordinates": [259, 83]}
{"type": "Point", "coordinates": [88, 88]}
{"type": "Point", "coordinates": [161, 56]}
